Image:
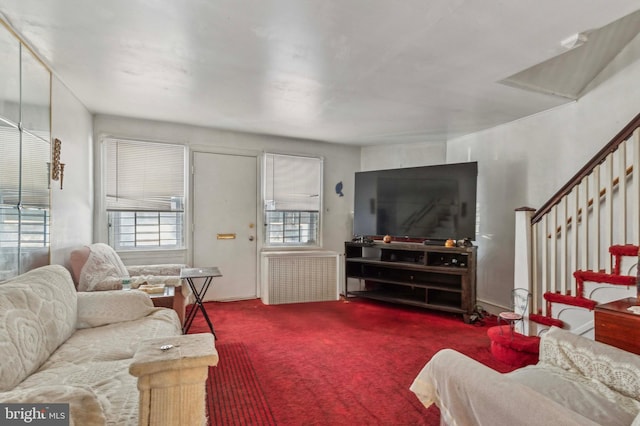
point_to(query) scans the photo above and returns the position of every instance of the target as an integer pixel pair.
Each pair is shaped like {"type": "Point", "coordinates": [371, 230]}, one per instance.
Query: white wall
{"type": "Point", "coordinates": [525, 162]}
{"type": "Point", "coordinates": [340, 162]}
{"type": "Point", "coordinates": [381, 157]}
{"type": "Point", "coordinates": [71, 207]}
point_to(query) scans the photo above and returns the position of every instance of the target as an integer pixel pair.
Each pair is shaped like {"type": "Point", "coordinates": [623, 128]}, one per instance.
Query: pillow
{"type": "Point", "coordinates": [77, 260]}
{"type": "Point", "coordinates": [103, 269]}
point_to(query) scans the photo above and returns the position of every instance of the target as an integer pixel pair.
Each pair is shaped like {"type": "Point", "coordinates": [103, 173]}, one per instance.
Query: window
{"type": "Point", "coordinates": [145, 186]}
{"type": "Point", "coordinates": [292, 200]}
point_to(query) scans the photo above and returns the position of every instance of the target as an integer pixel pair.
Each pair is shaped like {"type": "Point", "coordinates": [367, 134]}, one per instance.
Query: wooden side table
{"type": "Point", "coordinates": [172, 298]}
{"type": "Point", "coordinates": [615, 325]}
{"type": "Point", "coordinates": [164, 299]}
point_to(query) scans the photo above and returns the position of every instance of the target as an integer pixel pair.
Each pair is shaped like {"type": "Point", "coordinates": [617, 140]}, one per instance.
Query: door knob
{"type": "Point", "coordinates": [251, 238]}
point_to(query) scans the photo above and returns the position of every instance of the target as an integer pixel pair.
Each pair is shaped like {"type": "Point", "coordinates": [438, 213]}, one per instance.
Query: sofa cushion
{"type": "Point", "coordinates": [110, 381]}
{"type": "Point", "coordinates": [38, 312]}
{"type": "Point", "coordinates": [115, 341]}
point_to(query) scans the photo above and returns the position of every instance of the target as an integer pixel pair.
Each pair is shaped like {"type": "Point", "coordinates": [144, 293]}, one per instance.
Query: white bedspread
{"type": "Point", "coordinates": [576, 382]}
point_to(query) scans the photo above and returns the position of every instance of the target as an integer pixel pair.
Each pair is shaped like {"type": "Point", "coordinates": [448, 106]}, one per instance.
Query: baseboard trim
{"type": "Point", "coordinates": [491, 307]}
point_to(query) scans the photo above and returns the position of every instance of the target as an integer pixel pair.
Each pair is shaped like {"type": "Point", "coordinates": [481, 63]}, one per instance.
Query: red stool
{"type": "Point", "coordinates": [514, 349]}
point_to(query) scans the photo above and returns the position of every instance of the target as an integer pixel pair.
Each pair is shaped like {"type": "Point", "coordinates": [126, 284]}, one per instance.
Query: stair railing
{"type": "Point", "coordinates": [598, 207]}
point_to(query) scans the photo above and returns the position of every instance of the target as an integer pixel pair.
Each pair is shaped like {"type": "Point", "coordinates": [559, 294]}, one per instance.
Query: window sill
{"type": "Point", "coordinates": [291, 248]}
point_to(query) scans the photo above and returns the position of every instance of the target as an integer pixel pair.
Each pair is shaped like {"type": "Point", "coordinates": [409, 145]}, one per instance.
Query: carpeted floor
{"type": "Point", "coordinates": [329, 363]}
{"type": "Point", "coordinates": [234, 395]}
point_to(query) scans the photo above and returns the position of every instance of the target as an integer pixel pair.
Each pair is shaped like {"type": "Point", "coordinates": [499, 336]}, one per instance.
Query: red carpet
{"type": "Point", "coordinates": [329, 363]}
{"type": "Point", "coordinates": [234, 395]}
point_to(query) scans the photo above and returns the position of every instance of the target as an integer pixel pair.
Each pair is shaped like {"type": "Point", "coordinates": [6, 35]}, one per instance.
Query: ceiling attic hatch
{"type": "Point", "coordinates": [570, 74]}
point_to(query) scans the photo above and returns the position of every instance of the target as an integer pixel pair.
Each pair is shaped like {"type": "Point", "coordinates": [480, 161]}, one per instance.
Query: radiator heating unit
{"type": "Point", "coordinates": [295, 277]}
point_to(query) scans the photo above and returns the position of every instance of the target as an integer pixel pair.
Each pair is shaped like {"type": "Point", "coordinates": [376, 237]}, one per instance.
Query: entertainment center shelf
{"type": "Point", "coordinates": [435, 277]}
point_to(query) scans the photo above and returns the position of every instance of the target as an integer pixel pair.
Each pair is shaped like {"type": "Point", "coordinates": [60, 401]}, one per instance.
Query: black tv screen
{"type": "Point", "coordinates": [429, 202]}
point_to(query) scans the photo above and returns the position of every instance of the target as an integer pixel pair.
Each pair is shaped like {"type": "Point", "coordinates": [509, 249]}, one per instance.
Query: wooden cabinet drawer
{"type": "Point", "coordinates": [616, 326]}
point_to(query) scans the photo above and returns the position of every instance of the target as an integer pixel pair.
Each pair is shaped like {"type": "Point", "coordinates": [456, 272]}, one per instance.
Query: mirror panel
{"type": "Point", "coordinates": [34, 238]}
{"type": "Point", "coordinates": [9, 76]}
{"type": "Point", "coordinates": [9, 164]}
{"type": "Point", "coordinates": [9, 248]}
{"type": "Point", "coordinates": [36, 99]}
{"type": "Point", "coordinates": [35, 172]}
{"type": "Point", "coordinates": [25, 153]}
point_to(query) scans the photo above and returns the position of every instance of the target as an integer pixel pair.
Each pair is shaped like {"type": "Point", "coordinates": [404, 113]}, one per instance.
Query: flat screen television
{"type": "Point", "coordinates": [429, 202]}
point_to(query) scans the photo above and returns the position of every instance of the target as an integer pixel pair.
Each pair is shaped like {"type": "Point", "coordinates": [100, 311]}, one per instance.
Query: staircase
{"type": "Point", "coordinates": [575, 312]}
{"type": "Point", "coordinates": [580, 248]}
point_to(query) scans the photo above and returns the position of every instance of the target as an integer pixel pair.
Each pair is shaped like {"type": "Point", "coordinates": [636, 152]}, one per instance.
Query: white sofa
{"type": "Point", "coordinates": [62, 346]}
{"type": "Point", "coordinates": [576, 382]}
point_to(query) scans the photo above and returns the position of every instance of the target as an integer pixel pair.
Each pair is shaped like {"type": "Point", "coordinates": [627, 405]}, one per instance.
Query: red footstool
{"type": "Point", "coordinates": [514, 349]}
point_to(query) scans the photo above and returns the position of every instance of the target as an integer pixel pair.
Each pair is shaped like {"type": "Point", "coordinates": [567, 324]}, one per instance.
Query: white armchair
{"type": "Point", "coordinates": [97, 267]}
{"type": "Point", "coordinates": [576, 382]}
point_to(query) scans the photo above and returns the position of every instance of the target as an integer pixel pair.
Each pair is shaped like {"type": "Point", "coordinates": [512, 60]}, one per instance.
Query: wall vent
{"type": "Point", "coordinates": [296, 277]}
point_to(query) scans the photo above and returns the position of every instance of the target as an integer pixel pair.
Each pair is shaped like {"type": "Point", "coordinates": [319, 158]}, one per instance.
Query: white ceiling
{"type": "Point", "coordinates": [346, 71]}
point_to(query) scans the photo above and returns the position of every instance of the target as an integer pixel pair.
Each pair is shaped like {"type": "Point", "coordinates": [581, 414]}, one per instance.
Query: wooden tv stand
{"type": "Point", "coordinates": [435, 277]}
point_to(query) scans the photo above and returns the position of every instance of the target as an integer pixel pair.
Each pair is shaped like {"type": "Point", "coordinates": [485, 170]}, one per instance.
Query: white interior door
{"type": "Point", "coordinates": [224, 219]}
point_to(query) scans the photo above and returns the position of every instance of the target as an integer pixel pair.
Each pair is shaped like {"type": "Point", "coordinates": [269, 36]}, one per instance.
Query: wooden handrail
{"type": "Point", "coordinates": [623, 135]}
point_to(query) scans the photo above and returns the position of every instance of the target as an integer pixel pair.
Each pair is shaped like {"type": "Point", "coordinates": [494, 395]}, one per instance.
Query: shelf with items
{"type": "Point", "coordinates": [433, 277]}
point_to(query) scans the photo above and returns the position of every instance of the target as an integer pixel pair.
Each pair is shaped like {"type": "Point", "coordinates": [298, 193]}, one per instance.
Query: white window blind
{"type": "Point", "coordinates": [26, 183]}
{"type": "Point", "coordinates": [292, 183]}
{"type": "Point", "coordinates": [24, 192]}
{"type": "Point", "coordinates": [35, 171]}
{"type": "Point", "coordinates": [144, 176]}
{"type": "Point", "coordinates": [292, 199]}
{"type": "Point", "coordinates": [9, 165]}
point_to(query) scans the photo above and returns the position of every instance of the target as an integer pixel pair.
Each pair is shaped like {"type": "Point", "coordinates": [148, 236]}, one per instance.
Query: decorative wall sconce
{"type": "Point", "coordinates": [57, 168]}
